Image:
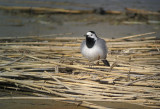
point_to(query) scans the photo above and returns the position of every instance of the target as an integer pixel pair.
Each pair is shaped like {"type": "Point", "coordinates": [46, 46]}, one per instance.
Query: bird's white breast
{"type": "Point", "coordinates": [93, 53]}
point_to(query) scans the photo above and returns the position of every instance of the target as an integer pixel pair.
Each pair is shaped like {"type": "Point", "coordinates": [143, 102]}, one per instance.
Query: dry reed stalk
{"type": "Point", "coordinates": [58, 69]}
{"type": "Point", "coordinates": [128, 37]}
{"type": "Point", "coordinates": [42, 10]}
{"type": "Point", "coordinates": [74, 67]}
{"type": "Point", "coordinates": [142, 79]}
{"type": "Point", "coordinates": [58, 81]}
{"type": "Point", "coordinates": [141, 11]}
{"type": "Point", "coordinates": [12, 62]}
{"type": "Point", "coordinates": [91, 84]}
{"type": "Point", "coordinates": [59, 98]}
{"type": "Point", "coordinates": [31, 85]}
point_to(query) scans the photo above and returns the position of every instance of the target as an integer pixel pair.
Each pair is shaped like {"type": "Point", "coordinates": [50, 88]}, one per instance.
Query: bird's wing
{"type": "Point", "coordinates": [102, 43]}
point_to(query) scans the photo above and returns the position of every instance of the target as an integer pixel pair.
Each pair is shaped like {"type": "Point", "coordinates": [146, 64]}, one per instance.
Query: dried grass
{"type": "Point", "coordinates": [55, 68]}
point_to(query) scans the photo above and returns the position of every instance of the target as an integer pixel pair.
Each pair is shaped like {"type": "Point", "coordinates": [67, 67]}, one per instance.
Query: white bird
{"type": "Point", "coordinates": [94, 48]}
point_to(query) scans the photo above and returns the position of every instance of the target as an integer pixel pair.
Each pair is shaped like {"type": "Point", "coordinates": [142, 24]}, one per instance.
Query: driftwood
{"type": "Point", "coordinates": [141, 11]}
{"type": "Point", "coordinates": [42, 10]}
{"type": "Point", "coordinates": [53, 68]}
{"type": "Point", "coordinates": [113, 12]}
{"type": "Point", "coordinates": [45, 10]}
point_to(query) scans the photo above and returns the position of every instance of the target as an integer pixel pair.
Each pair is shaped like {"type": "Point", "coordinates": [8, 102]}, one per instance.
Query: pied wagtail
{"type": "Point", "coordinates": [94, 48]}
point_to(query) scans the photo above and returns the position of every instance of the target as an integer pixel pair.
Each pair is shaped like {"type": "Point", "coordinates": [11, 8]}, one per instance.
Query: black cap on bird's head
{"type": "Point", "coordinates": [92, 32]}
{"type": "Point", "coordinates": [91, 38]}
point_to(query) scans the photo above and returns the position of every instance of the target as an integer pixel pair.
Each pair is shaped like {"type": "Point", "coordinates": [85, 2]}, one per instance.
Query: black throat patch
{"type": "Point", "coordinates": [90, 42]}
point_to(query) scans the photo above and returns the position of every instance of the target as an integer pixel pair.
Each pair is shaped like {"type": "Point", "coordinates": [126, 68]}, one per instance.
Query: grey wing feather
{"type": "Point", "coordinates": [102, 44]}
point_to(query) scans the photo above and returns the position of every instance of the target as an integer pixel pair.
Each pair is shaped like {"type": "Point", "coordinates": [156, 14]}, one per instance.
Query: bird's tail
{"type": "Point", "coordinates": [106, 62]}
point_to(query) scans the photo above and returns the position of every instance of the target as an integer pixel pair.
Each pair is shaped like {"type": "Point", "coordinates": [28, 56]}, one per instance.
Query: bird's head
{"type": "Point", "coordinates": [91, 38]}
{"type": "Point", "coordinates": [91, 35]}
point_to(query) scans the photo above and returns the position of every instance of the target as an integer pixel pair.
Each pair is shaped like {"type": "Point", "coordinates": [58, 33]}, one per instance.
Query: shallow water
{"type": "Point", "coordinates": [22, 24]}
{"type": "Point", "coordinates": [51, 104]}
{"type": "Point", "coordinates": [37, 104]}
{"type": "Point", "coordinates": [17, 25]}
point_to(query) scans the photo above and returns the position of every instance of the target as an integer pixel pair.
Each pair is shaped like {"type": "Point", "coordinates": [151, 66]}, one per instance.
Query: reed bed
{"type": "Point", "coordinates": [53, 68]}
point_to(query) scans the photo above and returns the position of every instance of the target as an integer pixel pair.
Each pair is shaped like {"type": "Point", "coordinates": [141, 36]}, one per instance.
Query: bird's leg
{"type": "Point", "coordinates": [90, 64]}
{"type": "Point", "coordinates": [97, 63]}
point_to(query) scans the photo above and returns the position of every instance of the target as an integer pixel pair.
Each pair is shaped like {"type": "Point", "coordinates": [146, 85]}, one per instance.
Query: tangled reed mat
{"type": "Point", "coordinates": [53, 68]}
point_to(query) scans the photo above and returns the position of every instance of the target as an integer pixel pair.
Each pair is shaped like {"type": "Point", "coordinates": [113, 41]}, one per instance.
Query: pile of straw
{"type": "Point", "coordinates": [53, 68]}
